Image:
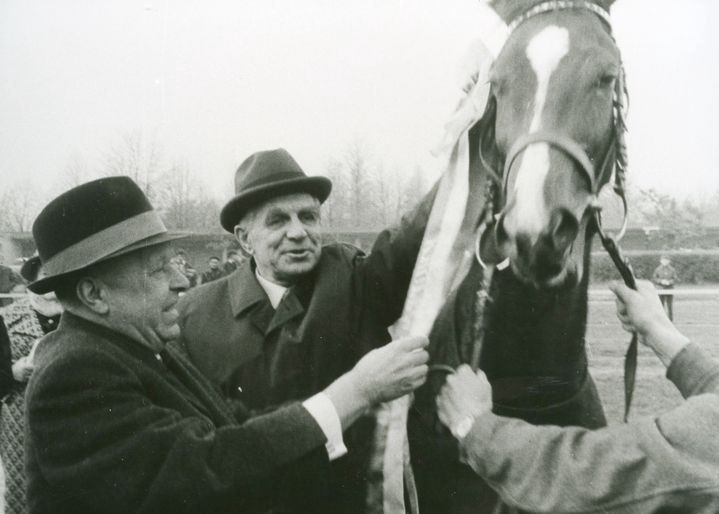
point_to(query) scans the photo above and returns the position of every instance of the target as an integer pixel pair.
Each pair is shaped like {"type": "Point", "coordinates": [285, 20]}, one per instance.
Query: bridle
{"type": "Point", "coordinates": [615, 158]}
{"type": "Point", "coordinates": [613, 162]}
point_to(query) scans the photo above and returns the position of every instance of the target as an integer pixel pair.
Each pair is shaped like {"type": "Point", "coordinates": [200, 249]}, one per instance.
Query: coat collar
{"type": "Point", "coordinates": [182, 372]}
{"type": "Point", "coordinates": [74, 322]}
{"type": "Point", "coordinates": [244, 290]}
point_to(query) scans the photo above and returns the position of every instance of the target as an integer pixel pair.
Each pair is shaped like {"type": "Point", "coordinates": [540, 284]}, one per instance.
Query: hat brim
{"type": "Point", "coordinates": [51, 282]}
{"type": "Point", "coordinates": [30, 268]}
{"type": "Point", "coordinates": [235, 209]}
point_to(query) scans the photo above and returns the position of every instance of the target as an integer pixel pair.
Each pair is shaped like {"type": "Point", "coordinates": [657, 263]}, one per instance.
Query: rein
{"type": "Point", "coordinates": [615, 161]}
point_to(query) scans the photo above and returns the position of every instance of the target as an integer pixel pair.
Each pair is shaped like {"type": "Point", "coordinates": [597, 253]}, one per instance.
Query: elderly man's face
{"type": "Point", "coordinates": [284, 237]}
{"type": "Point", "coordinates": [142, 292]}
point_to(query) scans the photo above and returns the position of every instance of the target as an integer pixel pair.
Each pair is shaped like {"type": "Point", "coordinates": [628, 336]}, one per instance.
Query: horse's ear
{"type": "Point", "coordinates": [507, 9]}
{"type": "Point", "coordinates": [606, 4]}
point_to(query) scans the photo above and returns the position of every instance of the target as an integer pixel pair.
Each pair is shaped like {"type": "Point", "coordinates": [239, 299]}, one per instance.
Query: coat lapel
{"type": "Point", "coordinates": [141, 354]}
{"type": "Point", "coordinates": [288, 308]}
{"type": "Point", "coordinates": [246, 294]}
{"type": "Point", "coordinates": [203, 395]}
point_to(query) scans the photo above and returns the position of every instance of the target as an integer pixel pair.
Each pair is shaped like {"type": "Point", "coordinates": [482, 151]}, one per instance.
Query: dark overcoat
{"type": "Point", "coordinates": [266, 357]}
{"type": "Point", "coordinates": [114, 428]}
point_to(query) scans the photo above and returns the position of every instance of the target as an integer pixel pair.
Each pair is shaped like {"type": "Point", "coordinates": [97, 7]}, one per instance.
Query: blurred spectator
{"type": "Point", "coordinates": [664, 278]}
{"type": "Point", "coordinates": [9, 280]}
{"type": "Point", "coordinates": [185, 267]}
{"type": "Point", "coordinates": [234, 260]}
{"type": "Point", "coordinates": [27, 319]}
{"type": "Point", "coordinates": [214, 272]}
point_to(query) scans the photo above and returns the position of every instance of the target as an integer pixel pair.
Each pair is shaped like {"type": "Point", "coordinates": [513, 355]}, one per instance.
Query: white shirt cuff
{"type": "Point", "coordinates": [321, 408]}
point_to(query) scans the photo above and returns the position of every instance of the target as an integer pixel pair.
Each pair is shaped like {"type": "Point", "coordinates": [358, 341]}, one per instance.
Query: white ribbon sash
{"type": "Point", "coordinates": [443, 260]}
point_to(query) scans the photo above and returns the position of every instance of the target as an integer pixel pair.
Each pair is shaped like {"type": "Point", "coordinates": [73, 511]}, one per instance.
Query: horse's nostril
{"type": "Point", "coordinates": [500, 232]}
{"type": "Point", "coordinates": [524, 244]}
{"type": "Point", "coordinates": [563, 229]}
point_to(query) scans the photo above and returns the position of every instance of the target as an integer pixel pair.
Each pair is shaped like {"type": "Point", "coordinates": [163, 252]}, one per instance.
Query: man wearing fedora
{"type": "Point", "coordinates": [297, 314]}
{"type": "Point", "coordinates": [119, 421]}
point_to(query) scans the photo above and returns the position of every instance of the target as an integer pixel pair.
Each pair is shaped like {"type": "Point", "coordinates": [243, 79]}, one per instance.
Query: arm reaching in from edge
{"type": "Point", "coordinates": [669, 462]}
{"type": "Point", "coordinates": [641, 311]}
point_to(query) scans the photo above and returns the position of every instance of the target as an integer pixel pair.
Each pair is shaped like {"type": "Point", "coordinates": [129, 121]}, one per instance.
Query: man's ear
{"type": "Point", "coordinates": [243, 237]}
{"type": "Point", "coordinates": [91, 293]}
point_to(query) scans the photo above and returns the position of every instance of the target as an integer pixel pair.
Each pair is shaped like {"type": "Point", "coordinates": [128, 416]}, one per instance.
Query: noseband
{"type": "Point", "coordinates": [560, 142]}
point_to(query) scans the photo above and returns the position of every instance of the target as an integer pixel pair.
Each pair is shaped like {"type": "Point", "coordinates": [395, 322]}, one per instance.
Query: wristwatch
{"type": "Point", "coordinates": [462, 428]}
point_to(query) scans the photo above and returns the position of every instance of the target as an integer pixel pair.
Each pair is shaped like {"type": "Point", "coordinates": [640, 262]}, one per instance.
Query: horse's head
{"type": "Point", "coordinates": [551, 115]}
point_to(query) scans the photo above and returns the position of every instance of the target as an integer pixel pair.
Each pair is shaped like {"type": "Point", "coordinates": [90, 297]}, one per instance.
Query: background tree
{"type": "Point", "coordinates": [19, 207]}
{"type": "Point", "coordinates": [138, 158]}
{"type": "Point", "coordinates": [367, 195]}
{"type": "Point", "coordinates": [680, 223]}
{"type": "Point", "coordinates": [183, 202]}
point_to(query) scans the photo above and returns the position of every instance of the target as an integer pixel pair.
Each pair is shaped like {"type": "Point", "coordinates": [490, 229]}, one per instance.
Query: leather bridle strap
{"type": "Point", "coordinates": [625, 270]}
{"type": "Point", "coordinates": [559, 141]}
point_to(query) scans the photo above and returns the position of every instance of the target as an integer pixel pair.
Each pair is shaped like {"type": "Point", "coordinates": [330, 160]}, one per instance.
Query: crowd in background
{"type": "Point", "coordinates": [216, 269]}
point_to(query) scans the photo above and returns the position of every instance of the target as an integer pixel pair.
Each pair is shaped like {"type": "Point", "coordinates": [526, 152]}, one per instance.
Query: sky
{"type": "Point", "coordinates": [210, 82]}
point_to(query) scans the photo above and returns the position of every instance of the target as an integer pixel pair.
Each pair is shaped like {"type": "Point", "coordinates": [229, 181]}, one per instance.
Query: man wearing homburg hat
{"type": "Point", "coordinates": [118, 421]}
{"type": "Point", "coordinates": [297, 314]}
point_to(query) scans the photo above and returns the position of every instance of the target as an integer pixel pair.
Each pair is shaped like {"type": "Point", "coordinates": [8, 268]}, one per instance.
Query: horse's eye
{"type": "Point", "coordinates": [498, 86]}
{"type": "Point", "coordinates": [605, 81]}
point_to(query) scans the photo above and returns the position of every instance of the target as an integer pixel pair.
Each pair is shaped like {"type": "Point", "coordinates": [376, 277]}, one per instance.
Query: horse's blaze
{"type": "Point", "coordinates": [544, 253]}
{"type": "Point", "coordinates": [530, 215]}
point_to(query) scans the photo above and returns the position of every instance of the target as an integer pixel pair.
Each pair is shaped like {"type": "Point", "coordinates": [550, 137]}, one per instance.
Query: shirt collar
{"type": "Point", "coordinates": [275, 292]}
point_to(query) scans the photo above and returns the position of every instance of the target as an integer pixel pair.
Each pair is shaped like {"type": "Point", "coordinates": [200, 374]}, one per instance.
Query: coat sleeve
{"type": "Point", "coordinates": [385, 274]}
{"type": "Point", "coordinates": [98, 437]}
{"type": "Point", "coordinates": [656, 462]}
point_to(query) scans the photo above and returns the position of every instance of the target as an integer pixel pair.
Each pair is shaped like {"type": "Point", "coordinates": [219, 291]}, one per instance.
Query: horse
{"type": "Point", "coordinates": [550, 138]}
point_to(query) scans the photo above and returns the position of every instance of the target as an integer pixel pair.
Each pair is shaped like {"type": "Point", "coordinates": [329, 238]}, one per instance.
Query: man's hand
{"type": "Point", "coordinates": [22, 369]}
{"type": "Point", "coordinates": [464, 396]}
{"type": "Point", "coordinates": [393, 370]}
{"type": "Point", "coordinates": [641, 311]}
{"type": "Point", "coordinates": [383, 374]}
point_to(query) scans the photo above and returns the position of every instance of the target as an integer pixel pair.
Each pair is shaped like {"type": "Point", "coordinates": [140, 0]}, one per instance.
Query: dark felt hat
{"type": "Point", "coordinates": [266, 175]}
{"type": "Point", "coordinates": [30, 268]}
{"type": "Point", "coordinates": [91, 223]}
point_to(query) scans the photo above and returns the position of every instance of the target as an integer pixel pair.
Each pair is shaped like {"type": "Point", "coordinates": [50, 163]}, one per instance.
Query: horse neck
{"type": "Point", "coordinates": [535, 332]}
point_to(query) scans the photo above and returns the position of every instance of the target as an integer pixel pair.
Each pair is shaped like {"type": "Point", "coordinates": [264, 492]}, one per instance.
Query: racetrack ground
{"type": "Point", "coordinates": [696, 317]}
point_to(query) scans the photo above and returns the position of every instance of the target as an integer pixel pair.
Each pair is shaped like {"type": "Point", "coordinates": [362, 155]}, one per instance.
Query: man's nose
{"type": "Point", "coordinates": [178, 281]}
{"type": "Point", "coordinates": [296, 229]}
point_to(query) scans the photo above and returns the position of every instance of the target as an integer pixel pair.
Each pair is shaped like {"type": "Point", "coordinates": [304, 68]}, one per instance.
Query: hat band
{"type": "Point", "coordinates": [269, 180]}
{"type": "Point", "coordinates": [104, 243]}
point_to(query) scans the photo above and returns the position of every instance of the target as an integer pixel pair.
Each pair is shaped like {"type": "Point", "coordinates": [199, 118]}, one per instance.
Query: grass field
{"type": "Point", "coordinates": [697, 318]}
